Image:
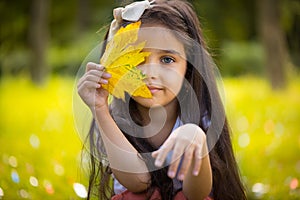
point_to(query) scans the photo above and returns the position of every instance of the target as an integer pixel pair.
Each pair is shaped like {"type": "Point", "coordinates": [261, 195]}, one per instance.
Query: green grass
{"type": "Point", "coordinates": [37, 130]}
{"type": "Point", "coordinates": [266, 137]}
{"type": "Point", "coordinates": [41, 116]}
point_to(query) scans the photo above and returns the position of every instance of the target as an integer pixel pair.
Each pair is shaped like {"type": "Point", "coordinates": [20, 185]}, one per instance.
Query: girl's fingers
{"type": "Point", "coordinates": [103, 81]}
{"type": "Point", "coordinates": [176, 157]}
{"type": "Point", "coordinates": [91, 77]}
{"type": "Point", "coordinates": [99, 73]}
{"type": "Point", "coordinates": [173, 168]}
{"type": "Point", "coordinates": [186, 163]}
{"type": "Point", "coordinates": [106, 75]}
{"type": "Point", "coordinates": [155, 154]}
{"type": "Point", "coordinates": [91, 66]}
{"type": "Point", "coordinates": [89, 85]}
{"type": "Point", "coordinates": [94, 72]}
{"type": "Point", "coordinates": [185, 151]}
{"type": "Point", "coordinates": [96, 76]}
{"type": "Point", "coordinates": [162, 153]}
{"type": "Point", "coordinates": [197, 161]}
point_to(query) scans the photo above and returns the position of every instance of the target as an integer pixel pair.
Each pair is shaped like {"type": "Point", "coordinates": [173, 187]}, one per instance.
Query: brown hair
{"type": "Point", "coordinates": [180, 16]}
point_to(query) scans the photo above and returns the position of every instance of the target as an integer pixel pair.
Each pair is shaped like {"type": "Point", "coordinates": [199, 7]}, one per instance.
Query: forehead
{"type": "Point", "coordinates": [158, 37]}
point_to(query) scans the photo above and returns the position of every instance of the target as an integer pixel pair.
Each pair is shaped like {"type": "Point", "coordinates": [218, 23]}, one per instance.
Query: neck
{"type": "Point", "coordinates": [158, 121]}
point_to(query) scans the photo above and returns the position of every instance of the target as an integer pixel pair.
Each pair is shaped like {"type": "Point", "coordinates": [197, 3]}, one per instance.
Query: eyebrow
{"type": "Point", "coordinates": [167, 51]}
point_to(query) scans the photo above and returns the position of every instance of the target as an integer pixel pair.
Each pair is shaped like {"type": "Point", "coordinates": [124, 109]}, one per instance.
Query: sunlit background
{"type": "Point", "coordinates": [256, 45]}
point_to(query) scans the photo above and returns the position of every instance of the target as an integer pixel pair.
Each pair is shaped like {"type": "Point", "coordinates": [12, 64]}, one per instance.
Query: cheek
{"type": "Point", "coordinates": [173, 80]}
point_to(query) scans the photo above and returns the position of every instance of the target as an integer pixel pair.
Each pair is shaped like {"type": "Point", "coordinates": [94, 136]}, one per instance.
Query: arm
{"type": "Point", "coordinates": [123, 157]}
{"type": "Point", "coordinates": [188, 143]}
{"type": "Point", "coordinates": [198, 187]}
{"type": "Point", "coordinates": [130, 170]}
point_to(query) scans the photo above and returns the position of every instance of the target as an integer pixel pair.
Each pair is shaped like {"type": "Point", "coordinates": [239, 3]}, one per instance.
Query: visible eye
{"type": "Point", "coordinates": [167, 60]}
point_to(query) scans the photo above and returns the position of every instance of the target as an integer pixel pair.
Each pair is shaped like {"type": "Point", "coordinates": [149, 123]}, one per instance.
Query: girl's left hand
{"type": "Point", "coordinates": [188, 143]}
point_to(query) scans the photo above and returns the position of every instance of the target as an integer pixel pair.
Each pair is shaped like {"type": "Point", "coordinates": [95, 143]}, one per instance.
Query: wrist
{"type": "Point", "coordinates": [99, 113]}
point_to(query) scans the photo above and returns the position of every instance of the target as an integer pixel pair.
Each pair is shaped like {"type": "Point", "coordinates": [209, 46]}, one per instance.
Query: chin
{"type": "Point", "coordinates": [148, 103]}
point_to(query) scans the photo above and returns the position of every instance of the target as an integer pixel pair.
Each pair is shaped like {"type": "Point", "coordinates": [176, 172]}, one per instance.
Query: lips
{"type": "Point", "coordinates": [153, 89]}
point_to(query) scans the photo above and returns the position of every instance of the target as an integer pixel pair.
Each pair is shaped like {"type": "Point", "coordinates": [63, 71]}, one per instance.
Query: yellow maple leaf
{"type": "Point", "coordinates": [121, 59]}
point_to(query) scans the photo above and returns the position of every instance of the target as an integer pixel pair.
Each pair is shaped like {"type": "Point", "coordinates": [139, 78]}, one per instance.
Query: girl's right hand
{"type": "Point", "coordinates": [89, 86]}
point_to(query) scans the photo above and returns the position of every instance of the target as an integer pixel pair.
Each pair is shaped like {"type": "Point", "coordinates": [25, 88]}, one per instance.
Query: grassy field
{"type": "Point", "coordinates": [40, 148]}
{"type": "Point", "coordinates": [266, 136]}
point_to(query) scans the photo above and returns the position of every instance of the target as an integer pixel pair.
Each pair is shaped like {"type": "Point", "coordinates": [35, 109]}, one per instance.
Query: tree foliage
{"type": "Point", "coordinates": [73, 25]}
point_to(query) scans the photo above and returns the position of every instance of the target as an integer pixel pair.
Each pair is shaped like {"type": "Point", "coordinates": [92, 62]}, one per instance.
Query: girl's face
{"type": "Point", "coordinates": [165, 67]}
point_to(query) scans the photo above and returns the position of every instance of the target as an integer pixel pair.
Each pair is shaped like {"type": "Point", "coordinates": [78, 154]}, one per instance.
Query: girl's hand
{"type": "Point", "coordinates": [188, 143]}
{"type": "Point", "coordinates": [89, 86]}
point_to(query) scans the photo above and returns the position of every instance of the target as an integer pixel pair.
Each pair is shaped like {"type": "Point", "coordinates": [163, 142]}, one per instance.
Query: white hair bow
{"type": "Point", "coordinates": [131, 12]}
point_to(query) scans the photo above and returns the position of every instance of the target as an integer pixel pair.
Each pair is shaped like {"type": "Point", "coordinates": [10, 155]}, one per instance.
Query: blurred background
{"type": "Point", "coordinates": [256, 45]}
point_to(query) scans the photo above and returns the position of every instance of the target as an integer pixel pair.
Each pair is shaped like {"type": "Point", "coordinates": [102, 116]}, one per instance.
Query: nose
{"type": "Point", "coordinates": [150, 68]}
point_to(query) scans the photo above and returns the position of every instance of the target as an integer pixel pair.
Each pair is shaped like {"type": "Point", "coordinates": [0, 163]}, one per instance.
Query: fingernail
{"type": "Point", "coordinates": [195, 173]}
{"type": "Point", "coordinates": [181, 177]}
{"type": "Point", "coordinates": [104, 81]}
{"type": "Point", "coordinates": [171, 174]}
{"type": "Point", "coordinates": [106, 75]}
{"type": "Point", "coordinates": [158, 163]}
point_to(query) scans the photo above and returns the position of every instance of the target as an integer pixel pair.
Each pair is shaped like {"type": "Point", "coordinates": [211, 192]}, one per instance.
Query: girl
{"type": "Point", "coordinates": [175, 145]}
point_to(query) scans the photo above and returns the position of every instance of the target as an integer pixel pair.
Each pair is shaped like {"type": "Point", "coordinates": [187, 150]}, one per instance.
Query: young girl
{"type": "Point", "coordinates": [175, 145]}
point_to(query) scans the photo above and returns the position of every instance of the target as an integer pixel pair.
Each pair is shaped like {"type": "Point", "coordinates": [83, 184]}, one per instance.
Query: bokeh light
{"type": "Point", "coordinates": [259, 189]}
{"type": "Point", "coordinates": [34, 141]}
{"type": "Point", "coordinates": [269, 126]}
{"type": "Point", "coordinates": [244, 140]}
{"type": "Point", "coordinates": [15, 176]}
{"type": "Point", "coordinates": [80, 190]}
{"type": "Point", "coordinates": [33, 181]}
{"type": "Point", "coordinates": [24, 194]}
{"type": "Point", "coordinates": [59, 169]}
{"type": "Point", "coordinates": [13, 161]}
{"type": "Point", "coordinates": [48, 187]}
{"type": "Point", "coordinates": [294, 183]}
{"type": "Point", "coordinates": [1, 193]}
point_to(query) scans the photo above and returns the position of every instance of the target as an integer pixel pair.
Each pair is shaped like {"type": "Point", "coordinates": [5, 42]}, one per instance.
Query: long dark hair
{"type": "Point", "coordinates": [177, 15]}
